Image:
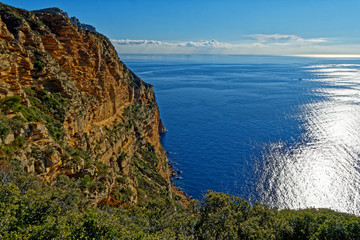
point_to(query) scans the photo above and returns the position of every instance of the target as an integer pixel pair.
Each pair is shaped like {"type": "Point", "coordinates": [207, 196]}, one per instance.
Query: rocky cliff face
{"type": "Point", "coordinates": [70, 106]}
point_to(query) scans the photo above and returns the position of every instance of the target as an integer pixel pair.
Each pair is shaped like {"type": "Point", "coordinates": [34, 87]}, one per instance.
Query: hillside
{"type": "Point", "coordinates": [76, 108]}
{"type": "Point", "coordinates": [80, 156]}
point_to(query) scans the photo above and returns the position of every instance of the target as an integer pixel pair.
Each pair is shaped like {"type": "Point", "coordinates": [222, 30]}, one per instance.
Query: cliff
{"type": "Point", "coordinates": [69, 106]}
{"type": "Point", "coordinates": [79, 132]}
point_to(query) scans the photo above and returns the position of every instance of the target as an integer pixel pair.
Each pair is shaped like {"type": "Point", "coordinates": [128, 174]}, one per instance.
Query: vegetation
{"type": "Point", "coordinates": [39, 64]}
{"type": "Point", "coordinates": [46, 108]}
{"type": "Point", "coordinates": [4, 129]}
{"type": "Point", "coordinates": [30, 209]}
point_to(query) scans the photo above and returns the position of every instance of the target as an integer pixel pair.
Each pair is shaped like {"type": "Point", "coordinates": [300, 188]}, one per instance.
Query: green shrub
{"type": "Point", "coordinates": [16, 122]}
{"type": "Point", "coordinates": [10, 103]}
{"type": "Point", "coordinates": [20, 141]}
{"type": "Point", "coordinates": [33, 114]}
{"type": "Point", "coordinates": [102, 168]}
{"type": "Point", "coordinates": [86, 182]}
{"type": "Point", "coordinates": [30, 48]}
{"type": "Point", "coordinates": [76, 155]}
{"type": "Point", "coordinates": [39, 64]}
{"type": "Point", "coordinates": [125, 195]}
{"type": "Point", "coordinates": [29, 209]}
{"type": "Point", "coordinates": [56, 130]}
{"type": "Point", "coordinates": [4, 129]}
{"type": "Point", "coordinates": [120, 179]}
{"type": "Point", "coordinates": [47, 108]}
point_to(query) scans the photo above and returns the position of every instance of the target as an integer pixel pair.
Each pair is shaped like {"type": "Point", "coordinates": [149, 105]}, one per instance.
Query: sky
{"type": "Point", "coordinates": [275, 27]}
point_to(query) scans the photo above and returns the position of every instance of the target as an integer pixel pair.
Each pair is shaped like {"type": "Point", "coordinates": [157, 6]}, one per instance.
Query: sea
{"type": "Point", "coordinates": [283, 131]}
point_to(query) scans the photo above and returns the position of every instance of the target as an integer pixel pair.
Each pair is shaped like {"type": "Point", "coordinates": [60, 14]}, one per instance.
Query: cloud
{"type": "Point", "coordinates": [206, 44]}
{"type": "Point", "coordinates": [275, 44]}
{"type": "Point", "coordinates": [202, 44]}
{"type": "Point", "coordinates": [137, 42]}
{"type": "Point", "coordinates": [185, 47]}
{"type": "Point", "coordinates": [285, 38]}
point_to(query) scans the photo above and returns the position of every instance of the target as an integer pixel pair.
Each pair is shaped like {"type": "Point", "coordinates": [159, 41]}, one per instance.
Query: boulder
{"type": "Point", "coordinates": [9, 138]}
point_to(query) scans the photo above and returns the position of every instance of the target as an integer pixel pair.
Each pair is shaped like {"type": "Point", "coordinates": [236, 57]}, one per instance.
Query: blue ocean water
{"type": "Point", "coordinates": [284, 131]}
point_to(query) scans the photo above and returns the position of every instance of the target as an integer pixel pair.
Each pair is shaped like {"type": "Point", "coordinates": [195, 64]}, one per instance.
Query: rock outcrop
{"type": "Point", "coordinates": [68, 105]}
{"type": "Point", "coordinates": [83, 26]}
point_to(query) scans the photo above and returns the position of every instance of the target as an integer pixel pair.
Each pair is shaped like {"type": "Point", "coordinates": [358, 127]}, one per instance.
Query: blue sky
{"type": "Point", "coordinates": [219, 26]}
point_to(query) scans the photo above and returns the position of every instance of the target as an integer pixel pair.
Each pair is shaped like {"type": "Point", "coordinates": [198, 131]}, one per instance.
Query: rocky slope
{"type": "Point", "coordinates": [68, 105]}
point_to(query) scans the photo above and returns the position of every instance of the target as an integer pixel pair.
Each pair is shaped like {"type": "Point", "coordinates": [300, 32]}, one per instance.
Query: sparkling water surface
{"type": "Point", "coordinates": [284, 131]}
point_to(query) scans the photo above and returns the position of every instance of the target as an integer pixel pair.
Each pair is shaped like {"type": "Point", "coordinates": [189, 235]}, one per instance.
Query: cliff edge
{"type": "Point", "coordinates": [69, 106]}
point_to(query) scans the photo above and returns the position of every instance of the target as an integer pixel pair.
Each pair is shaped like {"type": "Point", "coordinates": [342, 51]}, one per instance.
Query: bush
{"type": "Point", "coordinates": [39, 64]}
{"type": "Point", "coordinates": [29, 209]}
{"type": "Point", "coordinates": [46, 108]}
{"type": "Point", "coordinates": [16, 122]}
{"type": "Point", "coordinates": [56, 130]}
{"type": "Point", "coordinates": [20, 141]}
{"type": "Point", "coordinates": [4, 129]}
{"type": "Point", "coordinates": [10, 103]}
{"type": "Point", "coordinates": [86, 182]}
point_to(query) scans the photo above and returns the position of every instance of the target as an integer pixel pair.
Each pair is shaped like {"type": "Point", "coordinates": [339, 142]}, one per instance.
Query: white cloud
{"type": "Point", "coordinates": [275, 44]}
{"type": "Point", "coordinates": [137, 42]}
{"type": "Point", "coordinates": [285, 38]}
{"type": "Point", "coordinates": [153, 46]}
{"type": "Point", "coordinates": [204, 44]}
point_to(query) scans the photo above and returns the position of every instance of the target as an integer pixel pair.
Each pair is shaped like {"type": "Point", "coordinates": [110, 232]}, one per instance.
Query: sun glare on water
{"type": "Point", "coordinates": [328, 55]}
{"type": "Point", "coordinates": [322, 170]}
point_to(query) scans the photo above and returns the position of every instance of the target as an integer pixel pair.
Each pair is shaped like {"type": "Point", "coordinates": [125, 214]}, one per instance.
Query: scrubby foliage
{"type": "Point", "coordinates": [30, 209]}
{"type": "Point", "coordinates": [46, 108]}
{"type": "Point", "coordinates": [51, 108]}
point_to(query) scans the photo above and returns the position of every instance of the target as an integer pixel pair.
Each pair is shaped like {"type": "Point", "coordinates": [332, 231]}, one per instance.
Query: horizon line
{"type": "Point", "coordinates": [316, 55]}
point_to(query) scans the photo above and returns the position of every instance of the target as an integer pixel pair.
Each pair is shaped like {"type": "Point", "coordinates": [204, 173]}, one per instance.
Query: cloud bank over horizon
{"type": "Point", "coordinates": [272, 44]}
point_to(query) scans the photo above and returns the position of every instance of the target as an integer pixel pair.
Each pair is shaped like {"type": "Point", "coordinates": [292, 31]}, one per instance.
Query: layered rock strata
{"type": "Point", "coordinates": [81, 111]}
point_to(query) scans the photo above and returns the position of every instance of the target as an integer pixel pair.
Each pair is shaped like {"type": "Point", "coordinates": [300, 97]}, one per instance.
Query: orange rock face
{"type": "Point", "coordinates": [112, 114]}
